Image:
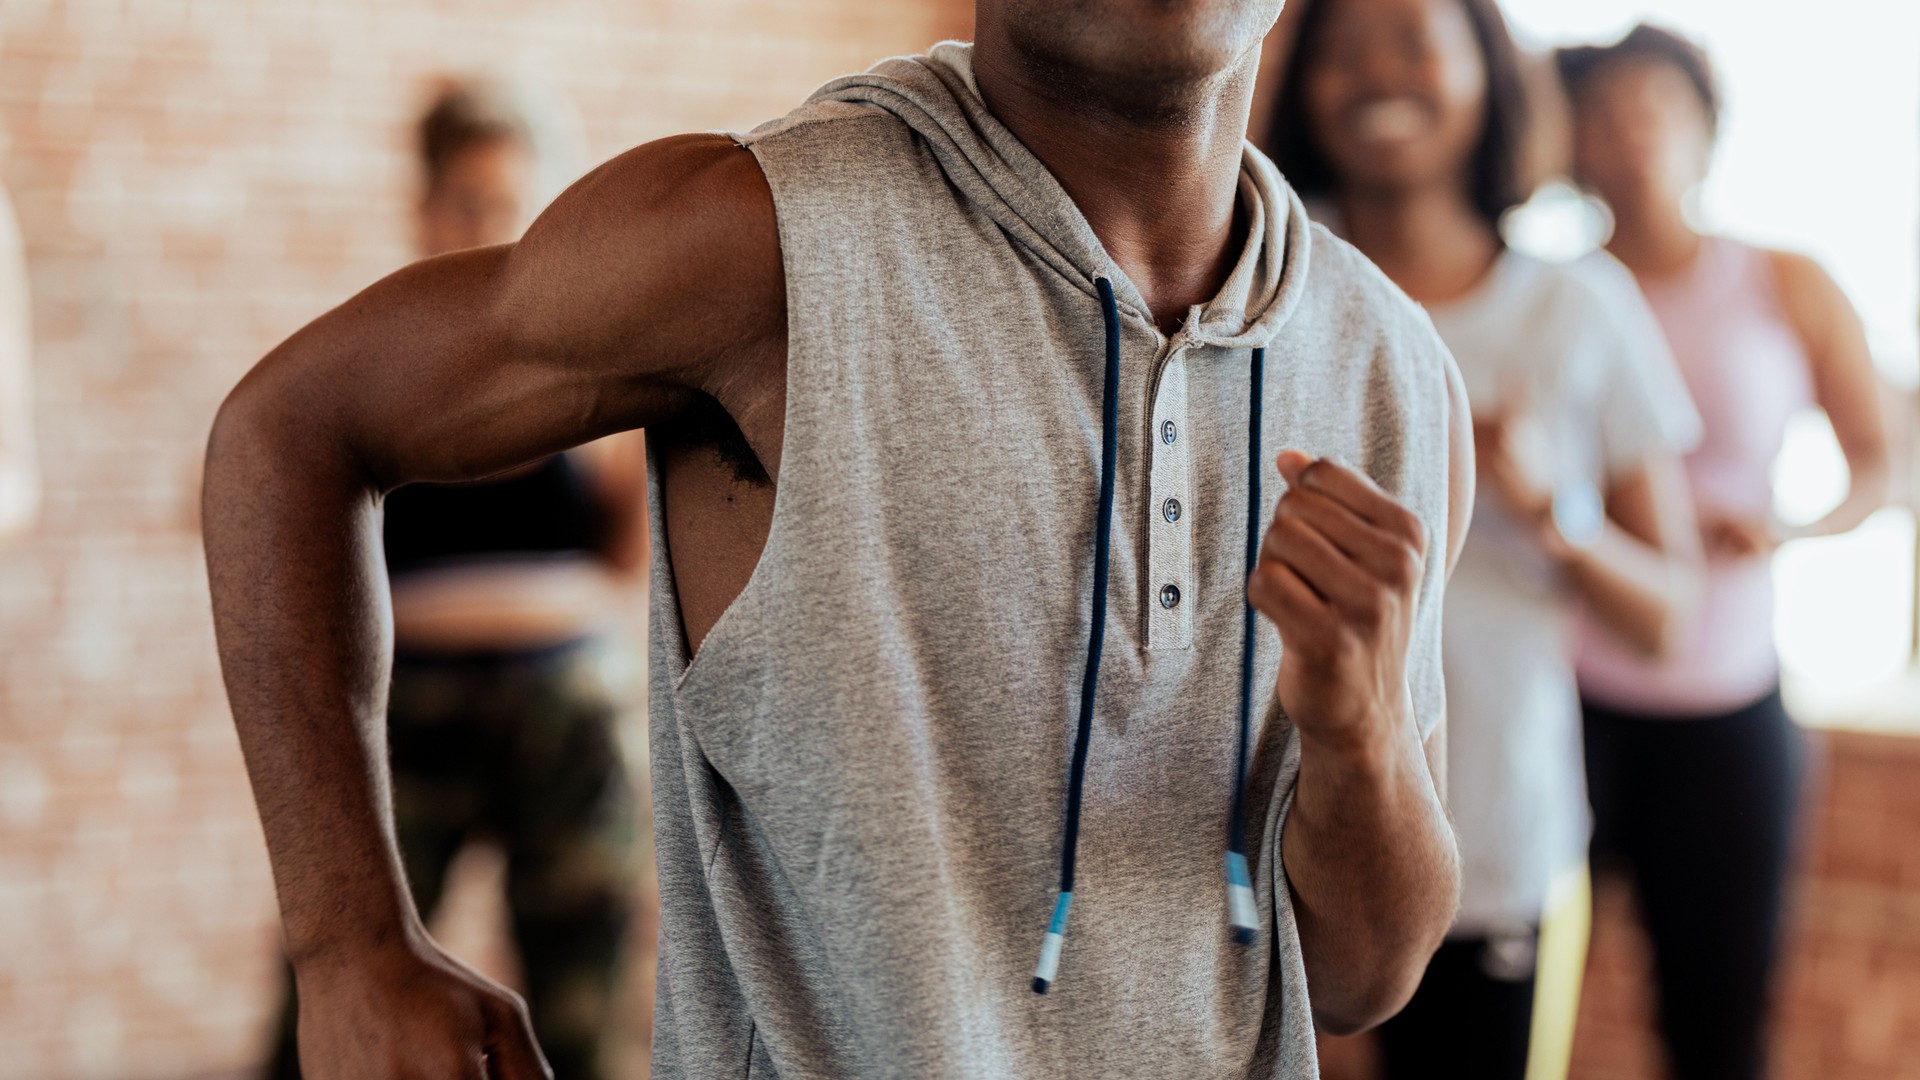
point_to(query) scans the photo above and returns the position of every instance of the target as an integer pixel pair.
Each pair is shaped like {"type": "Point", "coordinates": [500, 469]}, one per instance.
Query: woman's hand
{"type": "Point", "coordinates": [1731, 537]}
{"type": "Point", "coordinates": [1513, 451]}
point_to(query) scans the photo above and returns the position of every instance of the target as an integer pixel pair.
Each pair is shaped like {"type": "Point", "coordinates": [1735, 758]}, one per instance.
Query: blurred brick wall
{"type": "Point", "coordinates": [1850, 1005]}
{"type": "Point", "coordinates": [1850, 992]}
{"type": "Point", "coordinates": [195, 179]}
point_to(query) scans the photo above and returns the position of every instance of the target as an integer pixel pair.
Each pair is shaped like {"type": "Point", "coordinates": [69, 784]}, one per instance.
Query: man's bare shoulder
{"type": "Point", "coordinates": [671, 246]}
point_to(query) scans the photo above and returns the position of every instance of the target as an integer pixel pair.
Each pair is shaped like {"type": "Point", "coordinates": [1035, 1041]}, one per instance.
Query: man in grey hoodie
{"type": "Point", "coordinates": [989, 394]}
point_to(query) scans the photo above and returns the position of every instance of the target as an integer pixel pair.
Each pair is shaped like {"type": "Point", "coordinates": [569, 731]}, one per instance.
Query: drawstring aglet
{"type": "Point", "coordinates": [1240, 909]}
{"type": "Point", "coordinates": [1050, 948]}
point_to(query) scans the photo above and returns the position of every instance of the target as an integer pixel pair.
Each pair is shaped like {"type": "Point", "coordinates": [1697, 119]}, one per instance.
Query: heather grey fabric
{"type": "Point", "coordinates": [859, 783]}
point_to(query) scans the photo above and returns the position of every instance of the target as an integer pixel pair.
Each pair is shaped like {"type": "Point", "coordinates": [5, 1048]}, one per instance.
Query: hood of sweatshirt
{"type": "Point", "coordinates": [936, 95]}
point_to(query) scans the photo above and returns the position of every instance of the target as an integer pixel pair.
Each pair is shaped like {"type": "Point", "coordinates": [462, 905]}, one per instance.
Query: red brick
{"type": "Point", "coordinates": [1850, 989]}
{"type": "Point", "coordinates": [195, 179]}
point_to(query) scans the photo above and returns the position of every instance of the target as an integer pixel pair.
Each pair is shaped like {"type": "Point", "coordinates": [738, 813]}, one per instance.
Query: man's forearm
{"type": "Point", "coordinates": [1374, 871]}
{"type": "Point", "coordinates": [301, 615]}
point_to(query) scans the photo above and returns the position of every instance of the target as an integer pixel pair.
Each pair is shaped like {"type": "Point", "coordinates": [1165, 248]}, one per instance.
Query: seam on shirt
{"type": "Point", "coordinates": [714, 857]}
{"type": "Point", "coordinates": [753, 1035]}
{"type": "Point", "coordinates": [719, 842]}
{"type": "Point", "coordinates": [750, 141]}
{"type": "Point", "coordinates": [747, 140]}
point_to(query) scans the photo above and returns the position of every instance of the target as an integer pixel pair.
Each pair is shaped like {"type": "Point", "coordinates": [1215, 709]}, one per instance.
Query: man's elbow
{"type": "Point", "coordinates": [265, 449]}
{"type": "Point", "coordinates": [270, 422]}
{"type": "Point", "coordinates": [1375, 997]}
{"type": "Point", "coordinates": [260, 395]}
{"type": "Point", "coordinates": [1368, 997]}
{"type": "Point", "coordinates": [239, 435]}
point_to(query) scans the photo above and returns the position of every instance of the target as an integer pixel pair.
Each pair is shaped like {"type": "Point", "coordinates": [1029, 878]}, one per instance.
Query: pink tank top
{"type": "Point", "coordinates": [1748, 373]}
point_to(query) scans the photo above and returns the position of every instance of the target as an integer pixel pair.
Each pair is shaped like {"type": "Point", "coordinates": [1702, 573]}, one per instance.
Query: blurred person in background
{"type": "Point", "coordinates": [501, 720]}
{"type": "Point", "coordinates": [19, 469]}
{"type": "Point", "coordinates": [1693, 764]}
{"type": "Point", "coordinates": [1403, 123]}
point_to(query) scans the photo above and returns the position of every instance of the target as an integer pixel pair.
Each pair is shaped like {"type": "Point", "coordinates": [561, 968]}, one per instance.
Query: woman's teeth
{"type": "Point", "coordinates": [1391, 119]}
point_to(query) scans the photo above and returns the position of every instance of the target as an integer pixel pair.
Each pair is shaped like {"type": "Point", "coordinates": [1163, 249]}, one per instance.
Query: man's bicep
{"type": "Point", "coordinates": [419, 379]}
{"type": "Point", "coordinates": [470, 363]}
{"type": "Point", "coordinates": [666, 258]}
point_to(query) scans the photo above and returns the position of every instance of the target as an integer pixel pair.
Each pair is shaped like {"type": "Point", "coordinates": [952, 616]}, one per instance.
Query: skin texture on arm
{"type": "Point", "coordinates": [1370, 854]}
{"type": "Point", "coordinates": [654, 281]}
{"type": "Point", "coordinates": [1845, 385]}
{"type": "Point", "coordinates": [19, 464]}
{"type": "Point", "coordinates": [1641, 577]}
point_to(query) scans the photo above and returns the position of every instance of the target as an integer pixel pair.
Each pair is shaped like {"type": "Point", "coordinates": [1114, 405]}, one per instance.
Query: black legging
{"type": "Point", "coordinates": [1700, 812]}
{"type": "Point", "coordinates": [1471, 1018]}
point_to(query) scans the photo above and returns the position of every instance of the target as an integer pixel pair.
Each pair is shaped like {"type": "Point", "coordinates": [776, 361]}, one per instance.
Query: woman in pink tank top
{"type": "Point", "coordinates": [1693, 765]}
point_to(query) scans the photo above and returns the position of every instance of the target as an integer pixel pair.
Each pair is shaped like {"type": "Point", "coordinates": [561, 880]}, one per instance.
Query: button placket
{"type": "Point", "coordinates": [1170, 513]}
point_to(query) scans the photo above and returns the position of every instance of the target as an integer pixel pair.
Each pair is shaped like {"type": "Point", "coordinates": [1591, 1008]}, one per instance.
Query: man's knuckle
{"type": "Point", "coordinates": [1406, 524]}
{"type": "Point", "coordinates": [1371, 604]}
{"type": "Point", "coordinates": [1345, 645]}
{"type": "Point", "coordinates": [1405, 566]}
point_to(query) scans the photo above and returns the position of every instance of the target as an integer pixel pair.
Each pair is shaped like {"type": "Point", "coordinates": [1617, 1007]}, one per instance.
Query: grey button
{"type": "Point", "coordinates": [1170, 509]}
{"type": "Point", "coordinates": [1168, 433]}
{"type": "Point", "coordinates": [1169, 596]}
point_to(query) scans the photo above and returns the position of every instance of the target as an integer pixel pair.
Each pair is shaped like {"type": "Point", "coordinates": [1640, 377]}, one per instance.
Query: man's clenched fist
{"type": "Point", "coordinates": [1338, 573]}
{"type": "Point", "coordinates": [411, 1012]}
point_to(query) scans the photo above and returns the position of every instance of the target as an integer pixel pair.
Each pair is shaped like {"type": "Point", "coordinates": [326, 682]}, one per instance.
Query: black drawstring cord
{"type": "Point", "coordinates": [1241, 912]}
{"type": "Point", "coordinates": [1102, 543]}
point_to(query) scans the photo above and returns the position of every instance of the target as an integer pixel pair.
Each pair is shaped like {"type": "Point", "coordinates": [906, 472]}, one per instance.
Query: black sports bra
{"type": "Point", "coordinates": [548, 509]}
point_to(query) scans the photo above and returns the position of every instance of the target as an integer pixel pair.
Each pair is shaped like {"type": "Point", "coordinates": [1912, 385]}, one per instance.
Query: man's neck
{"type": "Point", "coordinates": [1156, 177]}
{"type": "Point", "coordinates": [1430, 241]}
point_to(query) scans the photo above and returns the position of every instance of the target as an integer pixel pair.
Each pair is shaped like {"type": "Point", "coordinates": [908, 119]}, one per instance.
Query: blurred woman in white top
{"type": "Point", "coordinates": [1404, 122]}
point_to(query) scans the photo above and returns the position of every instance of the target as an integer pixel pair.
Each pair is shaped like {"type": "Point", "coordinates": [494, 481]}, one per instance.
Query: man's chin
{"type": "Point", "coordinates": [1165, 42]}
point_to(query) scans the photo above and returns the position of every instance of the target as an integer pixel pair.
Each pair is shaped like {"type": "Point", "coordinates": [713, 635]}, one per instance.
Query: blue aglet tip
{"type": "Point", "coordinates": [1240, 908]}
{"type": "Point", "coordinates": [1056, 937]}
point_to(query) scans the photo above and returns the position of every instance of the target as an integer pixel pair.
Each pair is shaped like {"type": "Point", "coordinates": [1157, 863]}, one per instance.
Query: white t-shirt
{"type": "Point", "coordinates": [1579, 345]}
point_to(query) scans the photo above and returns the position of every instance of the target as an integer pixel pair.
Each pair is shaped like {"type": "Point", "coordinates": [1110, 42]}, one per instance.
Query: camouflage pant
{"type": "Point", "coordinates": [521, 750]}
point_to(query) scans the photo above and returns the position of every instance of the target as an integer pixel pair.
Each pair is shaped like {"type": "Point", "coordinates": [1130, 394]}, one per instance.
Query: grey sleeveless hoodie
{"type": "Point", "coordinates": [861, 782]}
